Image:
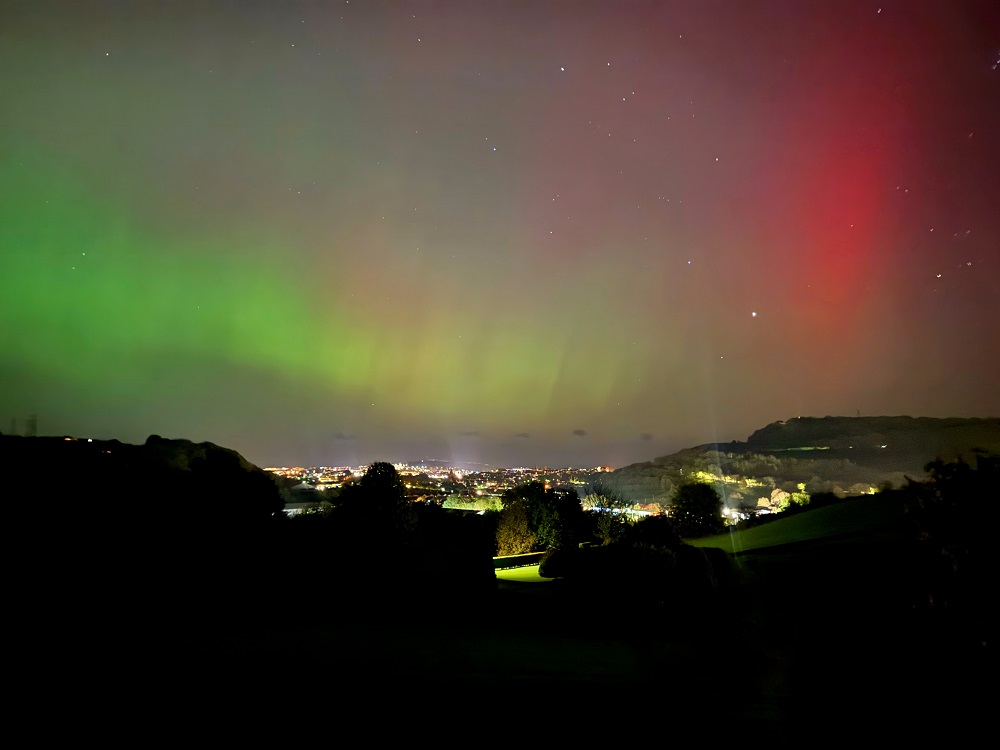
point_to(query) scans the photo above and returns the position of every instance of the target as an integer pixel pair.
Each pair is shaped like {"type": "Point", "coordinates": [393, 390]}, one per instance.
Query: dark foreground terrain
{"type": "Point", "coordinates": [823, 645]}
{"type": "Point", "coordinates": [135, 617]}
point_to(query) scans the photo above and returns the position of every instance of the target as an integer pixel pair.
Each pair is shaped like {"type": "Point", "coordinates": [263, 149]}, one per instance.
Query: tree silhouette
{"type": "Point", "coordinates": [554, 517]}
{"type": "Point", "coordinates": [378, 503]}
{"type": "Point", "coordinates": [608, 507]}
{"type": "Point", "coordinates": [382, 485]}
{"type": "Point", "coordinates": [954, 545]}
{"type": "Point", "coordinates": [697, 510]}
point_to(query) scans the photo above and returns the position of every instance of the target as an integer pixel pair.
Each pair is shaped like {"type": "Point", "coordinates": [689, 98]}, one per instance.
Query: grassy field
{"type": "Point", "coordinates": [860, 516]}
{"type": "Point", "coordinates": [863, 515]}
{"type": "Point", "coordinates": [527, 574]}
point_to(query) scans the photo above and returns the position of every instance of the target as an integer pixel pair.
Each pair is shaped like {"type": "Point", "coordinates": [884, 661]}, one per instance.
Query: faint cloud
{"type": "Point", "coordinates": [345, 436]}
{"type": "Point", "coordinates": [580, 433]}
{"type": "Point", "coordinates": [646, 436]}
{"type": "Point", "coordinates": [470, 433]}
{"type": "Point", "coordinates": [522, 435]}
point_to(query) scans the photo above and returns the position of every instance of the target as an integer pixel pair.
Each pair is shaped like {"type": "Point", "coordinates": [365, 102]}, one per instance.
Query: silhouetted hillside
{"type": "Point", "coordinates": [116, 541]}
{"type": "Point", "coordinates": [189, 539]}
{"type": "Point", "coordinates": [842, 455]}
{"type": "Point", "coordinates": [165, 480]}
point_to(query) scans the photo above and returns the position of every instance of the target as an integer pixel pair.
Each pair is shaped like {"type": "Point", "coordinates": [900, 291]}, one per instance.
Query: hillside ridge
{"type": "Point", "coordinates": [842, 455]}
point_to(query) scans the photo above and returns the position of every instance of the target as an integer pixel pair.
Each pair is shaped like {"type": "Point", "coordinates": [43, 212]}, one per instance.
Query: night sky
{"type": "Point", "coordinates": [517, 233]}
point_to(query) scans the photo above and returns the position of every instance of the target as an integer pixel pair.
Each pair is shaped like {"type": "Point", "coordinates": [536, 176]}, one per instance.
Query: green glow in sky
{"type": "Point", "coordinates": [518, 233]}
{"type": "Point", "coordinates": [98, 300]}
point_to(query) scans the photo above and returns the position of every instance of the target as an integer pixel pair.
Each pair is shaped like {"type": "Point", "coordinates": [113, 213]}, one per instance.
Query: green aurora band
{"type": "Point", "coordinates": [98, 302]}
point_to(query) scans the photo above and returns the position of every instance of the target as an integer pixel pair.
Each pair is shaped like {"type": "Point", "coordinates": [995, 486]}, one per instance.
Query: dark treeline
{"type": "Point", "coordinates": [193, 527]}
{"type": "Point", "coordinates": [189, 538]}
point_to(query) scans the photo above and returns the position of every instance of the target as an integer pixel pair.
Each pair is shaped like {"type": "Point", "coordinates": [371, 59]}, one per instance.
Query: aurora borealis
{"type": "Point", "coordinates": [506, 232]}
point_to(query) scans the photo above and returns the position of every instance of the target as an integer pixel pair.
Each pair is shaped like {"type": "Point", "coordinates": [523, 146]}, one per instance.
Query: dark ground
{"type": "Point", "coordinates": [822, 648]}
{"type": "Point", "coordinates": [823, 641]}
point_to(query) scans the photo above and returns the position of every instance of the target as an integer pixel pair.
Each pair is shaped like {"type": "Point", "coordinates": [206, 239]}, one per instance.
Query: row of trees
{"type": "Point", "coordinates": [534, 517]}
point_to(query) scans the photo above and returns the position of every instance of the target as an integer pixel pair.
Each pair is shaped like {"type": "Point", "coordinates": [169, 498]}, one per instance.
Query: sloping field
{"type": "Point", "coordinates": [858, 517]}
